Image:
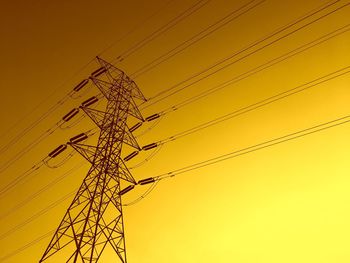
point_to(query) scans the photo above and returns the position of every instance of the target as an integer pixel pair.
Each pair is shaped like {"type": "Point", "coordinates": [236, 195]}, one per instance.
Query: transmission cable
{"type": "Point", "coordinates": [24, 175]}
{"type": "Point", "coordinates": [144, 195]}
{"type": "Point", "coordinates": [63, 99]}
{"type": "Point", "coordinates": [135, 28]}
{"type": "Point", "coordinates": [261, 67]}
{"type": "Point", "coordinates": [47, 98]}
{"type": "Point", "coordinates": [244, 56]}
{"type": "Point", "coordinates": [231, 155]}
{"type": "Point", "coordinates": [20, 178]}
{"type": "Point", "coordinates": [256, 147]}
{"type": "Point", "coordinates": [25, 131]}
{"type": "Point", "coordinates": [36, 215]}
{"type": "Point", "coordinates": [197, 37]}
{"type": "Point", "coordinates": [43, 136]}
{"type": "Point", "coordinates": [41, 190]}
{"type": "Point", "coordinates": [259, 104]}
{"type": "Point", "coordinates": [26, 246]}
{"type": "Point", "coordinates": [131, 50]}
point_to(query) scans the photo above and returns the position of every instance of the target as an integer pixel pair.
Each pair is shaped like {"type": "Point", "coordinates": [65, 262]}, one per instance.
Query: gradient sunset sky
{"type": "Point", "coordinates": [284, 203]}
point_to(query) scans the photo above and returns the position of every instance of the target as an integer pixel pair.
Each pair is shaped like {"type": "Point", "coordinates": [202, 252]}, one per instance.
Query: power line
{"type": "Point", "coordinates": [64, 98]}
{"type": "Point", "coordinates": [131, 50]}
{"type": "Point", "coordinates": [39, 139]}
{"type": "Point", "coordinates": [26, 130]}
{"type": "Point", "coordinates": [26, 246]}
{"type": "Point", "coordinates": [28, 148]}
{"type": "Point", "coordinates": [256, 147]}
{"type": "Point", "coordinates": [224, 157]}
{"type": "Point", "coordinates": [23, 176]}
{"type": "Point", "coordinates": [45, 100]}
{"type": "Point", "coordinates": [20, 178]}
{"type": "Point", "coordinates": [244, 56]}
{"type": "Point", "coordinates": [197, 37]}
{"type": "Point", "coordinates": [135, 28]}
{"type": "Point", "coordinates": [40, 191]}
{"type": "Point", "coordinates": [261, 67]}
{"type": "Point", "coordinates": [36, 215]}
{"type": "Point", "coordinates": [163, 29]}
{"type": "Point", "coordinates": [259, 104]}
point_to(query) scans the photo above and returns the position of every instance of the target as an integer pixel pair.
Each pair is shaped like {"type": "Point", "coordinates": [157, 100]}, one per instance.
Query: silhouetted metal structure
{"type": "Point", "coordinates": [95, 217]}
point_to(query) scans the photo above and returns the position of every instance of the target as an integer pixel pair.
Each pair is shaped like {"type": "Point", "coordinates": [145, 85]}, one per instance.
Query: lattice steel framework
{"type": "Point", "coordinates": [95, 217]}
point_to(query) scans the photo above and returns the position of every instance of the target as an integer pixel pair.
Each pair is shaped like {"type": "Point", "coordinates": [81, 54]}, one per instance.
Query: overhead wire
{"type": "Point", "coordinates": [62, 162]}
{"type": "Point", "coordinates": [62, 100]}
{"type": "Point", "coordinates": [234, 154]}
{"type": "Point", "coordinates": [148, 158]}
{"type": "Point", "coordinates": [28, 148]}
{"type": "Point", "coordinates": [152, 100]}
{"type": "Point", "coordinates": [31, 145]}
{"type": "Point", "coordinates": [257, 69]}
{"type": "Point", "coordinates": [151, 127]}
{"type": "Point", "coordinates": [40, 138]}
{"type": "Point", "coordinates": [20, 178]}
{"type": "Point", "coordinates": [182, 171]}
{"type": "Point", "coordinates": [330, 76]}
{"type": "Point", "coordinates": [173, 22]}
{"type": "Point", "coordinates": [52, 109]}
{"type": "Point", "coordinates": [36, 215]}
{"type": "Point", "coordinates": [135, 27]}
{"type": "Point", "coordinates": [44, 101]}
{"type": "Point", "coordinates": [144, 195]}
{"type": "Point", "coordinates": [163, 98]}
{"type": "Point", "coordinates": [26, 174]}
{"type": "Point", "coordinates": [197, 37]}
{"type": "Point", "coordinates": [26, 246]}
{"type": "Point", "coordinates": [40, 191]}
{"type": "Point", "coordinates": [269, 143]}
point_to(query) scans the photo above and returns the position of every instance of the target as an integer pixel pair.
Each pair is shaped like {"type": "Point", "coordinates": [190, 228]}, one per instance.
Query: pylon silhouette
{"type": "Point", "coordinates": [94, 219]}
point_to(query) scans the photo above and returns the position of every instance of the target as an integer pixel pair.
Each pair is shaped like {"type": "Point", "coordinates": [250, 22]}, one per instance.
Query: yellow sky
{"type": "Point", "coordinates": [286, 203]}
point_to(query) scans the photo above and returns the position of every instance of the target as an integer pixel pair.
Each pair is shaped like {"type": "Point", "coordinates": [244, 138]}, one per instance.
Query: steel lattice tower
{"type": "Point", "coordinates": [95, 217]}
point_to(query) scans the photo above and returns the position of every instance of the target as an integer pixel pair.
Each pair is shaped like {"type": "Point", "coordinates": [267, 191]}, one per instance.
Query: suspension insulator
{"type": "Point", "coordinates": [81, 85]}
{"type": "Point", "coordinates": [149, 146]}
{"type": "Point", "coordinates": [89, 102]}
{"type": "Point", "coordinates": [131, 155]}
{"type": "Point", "coordinates": [57, 151]}
{"type": "Point", "coordinates": [146, 181]}
{"type": "Point", "coordinates": [135, 127]}
{"type": "Point", "coordinates": [153, 117]}
{"type": "Point", "coordinates": [70, 114]}
{"type": "Point", "coordinates": [127, 189]}
{"type": "Point", "coordinates": [98, 72]}
{"type": "Point", "coordinates": [80, 137]}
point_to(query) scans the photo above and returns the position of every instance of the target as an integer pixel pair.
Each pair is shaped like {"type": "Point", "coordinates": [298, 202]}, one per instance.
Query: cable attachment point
{"type": "Point", "coordinates": [70, 114]}
{"type": "Point", "coordinates": [146, 181]}
{"type": "Point", "coordinates": [81, 85]}
{"type": "Point", "coordinates": [136, 126]}
{"type": "Point", "coordinates": [131, 155]}
{"type": "Point", "coordinates": [98, 72]}
{"type": "Point", "coordinates": [57, 151]}
{"type": "Point", "coordinates": [149, 146]}
{"type": "Point", "coordinates": [77, 139]}
{"type": "Point", "coordinates": [152, 117]}
{"type": "Point", "coordinates": [127, 189]}
{"type": "Point", "coordinates": [89, 102]}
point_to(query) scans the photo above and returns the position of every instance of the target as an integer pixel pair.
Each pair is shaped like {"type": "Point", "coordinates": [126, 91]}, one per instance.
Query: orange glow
{"type": "Point", "coordinates": [285, 203]}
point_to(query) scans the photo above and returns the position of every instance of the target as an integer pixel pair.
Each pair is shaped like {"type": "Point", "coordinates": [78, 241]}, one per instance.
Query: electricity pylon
{"type": "Point", "coordinates": [95, 217]}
